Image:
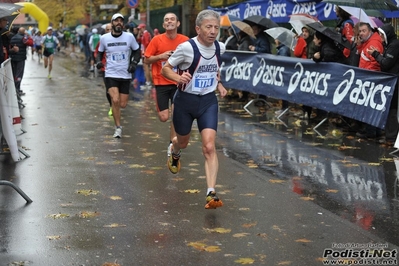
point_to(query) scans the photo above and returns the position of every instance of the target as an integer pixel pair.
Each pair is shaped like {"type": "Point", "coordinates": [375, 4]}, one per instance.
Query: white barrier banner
{"type": "Point", "coordinates": [6, 112]}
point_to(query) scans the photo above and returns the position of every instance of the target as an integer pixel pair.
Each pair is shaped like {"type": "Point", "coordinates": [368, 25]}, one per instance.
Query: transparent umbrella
{"type": "Point", "coordinates": [284, 35]}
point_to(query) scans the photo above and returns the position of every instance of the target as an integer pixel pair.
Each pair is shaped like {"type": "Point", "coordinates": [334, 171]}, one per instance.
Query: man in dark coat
{"type": "Point", "coordinates": [22, 40]}
{"type": "Point", "coordinates": [389, 62]}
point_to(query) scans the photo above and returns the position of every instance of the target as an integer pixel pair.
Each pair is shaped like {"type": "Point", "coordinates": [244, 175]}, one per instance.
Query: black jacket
{"type": "Point", "coordinates": [389, 59]}
{"type": "Point", "coordinates": [17, 40]}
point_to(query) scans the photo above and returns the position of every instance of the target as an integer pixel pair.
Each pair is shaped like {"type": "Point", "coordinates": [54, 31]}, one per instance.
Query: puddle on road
{"type": "Point", "coordinates": [356, 180]}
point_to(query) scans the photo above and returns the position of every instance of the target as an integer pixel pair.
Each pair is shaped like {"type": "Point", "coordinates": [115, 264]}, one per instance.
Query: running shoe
{"type": "Point", "coordinates": [170, 147]}
{"type": "Point", "coordinates": [110, 112]}
{"type": "Point", "coordinates": [118, 133]}
{"type": "Point", "coordinates": [49, 76]}
{"type": "Point", "coordinates": [212, 201]}
{"type": "Point", "coordinates": [174, 163]}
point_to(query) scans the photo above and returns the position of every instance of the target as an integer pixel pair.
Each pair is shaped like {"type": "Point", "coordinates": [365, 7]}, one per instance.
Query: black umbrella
{"type": "Point", "coordinates": [330, 33]}
{"type": "Point", "coordinates": [10, 20]}
{"type": "Point", "coordinates": [7, 9]}
{"type": "Point", "coordinates": [366, 4]}
{"type": "Point", "coordinates": [261, 21]}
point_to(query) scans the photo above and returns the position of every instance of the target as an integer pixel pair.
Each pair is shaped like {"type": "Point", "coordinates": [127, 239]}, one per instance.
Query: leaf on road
{"type": "Point", "coordinates": [276, 181]}
{"type": "Point", "coordinates": [115, 225]}
{"type": "Point", "coordinates": [115, 198]}
{"type": "Point", "coordinates": [119, 162]}
{"type": "Point", "coordinates": [192, 191]}
{"type": "Point", "coordinates": [212, 249]}
{"type": "Point", "coordinates": [248, 194]}
{"type": "Point", "coordinates": [241, 234]}
{"type": "Point", "coordinates": [332, 190]}
{"type": "Point", "coordinates": [245, 261]}
{"type": "Point", "coordinates": [287, 262]}
{"type": "Point", "coordinates": [136, 166]}
{"type": "Point", "coordinates": [374, 164]}
{"type": "Point", "coordinates": [384, 159]}
{"type": "Point", "coordinates": [343, 147]}
{"type": "Point", "coordinates": [306, 198]}
{"type": "Point", "coordinates": [148, 154]}
{"type": "Point", "coordinates": [177, 178]}
{"type": "Point", "coordinates": [149, 172]}
{"type": "Point", "coordinates": [59, 215]}
{"type": "Point", "coordinates": [89, 158]}
{"type": "Point", "coordinates": [86, 214]}
{"type": "Point", "coordinates": [248, 225]}
{"type": "Point", "coordinates": [252, 164]}
{"type": "Point", "coordinates": [53, 237]}
{"type": "Point", "coordinates": [351, 165]}
{"type": "Point", "coordinates": [219, 230]}
{"type": "Point", "coordinates": [87, 192]}
{"type": "Point", "coordinates": [303, 240]}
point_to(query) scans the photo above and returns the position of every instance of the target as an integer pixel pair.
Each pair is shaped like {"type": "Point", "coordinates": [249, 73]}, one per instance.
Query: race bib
{"type": "Point", "coordinates": [202, 82]}
{"type": "Point", "coordinates": [119, 56]}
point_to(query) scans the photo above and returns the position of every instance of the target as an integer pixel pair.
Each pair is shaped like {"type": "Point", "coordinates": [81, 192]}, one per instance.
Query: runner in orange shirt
{"type": "Point", "coordinates": [156, 53]}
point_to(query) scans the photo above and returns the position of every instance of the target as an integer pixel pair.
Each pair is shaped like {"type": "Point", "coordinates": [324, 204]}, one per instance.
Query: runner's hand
{"type": "Point", "coordinates": [100, 65]}
{"type": "Point", "coordinates": [132, 67]}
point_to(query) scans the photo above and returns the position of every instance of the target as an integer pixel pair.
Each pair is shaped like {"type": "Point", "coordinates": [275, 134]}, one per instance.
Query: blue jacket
{"type": "Point", "coordinates": [262, 44]}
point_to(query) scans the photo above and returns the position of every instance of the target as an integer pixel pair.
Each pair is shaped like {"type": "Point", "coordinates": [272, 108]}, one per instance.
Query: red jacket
{"type": "Point", "coordinates": [300, 48]}
{"type": "Point", "coordinates": [367, 61]}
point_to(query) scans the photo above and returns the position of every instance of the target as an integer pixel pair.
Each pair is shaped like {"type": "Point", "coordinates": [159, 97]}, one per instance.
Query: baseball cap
{"type": "Point", "coordinates": [141, 26]}
{"type": "Point", "coordinates": [94, 31]}
{"type": "Point", "coordinates": [117, 15]}
{"type": "Point", "coordinates": [50, 28]}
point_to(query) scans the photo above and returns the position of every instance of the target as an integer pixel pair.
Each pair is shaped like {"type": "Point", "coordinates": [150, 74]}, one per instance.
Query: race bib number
{"type": "Point", "coordinates": [201, 84]}
{"type": "Point", "coordinates": [118, 57]}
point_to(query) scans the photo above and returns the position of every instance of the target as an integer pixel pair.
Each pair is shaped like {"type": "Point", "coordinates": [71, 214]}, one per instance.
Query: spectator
{"type": "Point", "coordinates": [22, 40]}
{"type": "Point", "coordinates": [145, 40]}
{"type": "Point", "coordinates": [93, 41]}
{"type": "Point", "coordinates": [368, 40]}
{"type": "Point", "coordinates": [282, 50]}
{"type": "Point", "coordinates": [389, 62]}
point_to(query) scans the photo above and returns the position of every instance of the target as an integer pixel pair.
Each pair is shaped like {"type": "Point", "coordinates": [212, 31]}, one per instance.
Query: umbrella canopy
{"type": "Point", "coordinates": [360, 14]}
{"type": "Point", "coordinates": [284, 35]}
{"type": "Point", "coordinates": [80, 29]}
{"type": "Point", "coordinates": [244, 27]}
{"type": "Point", "coordinates": [10, 20]}
{"type": "Point", "coordinates": [7, 9]}
{"type": "Point", "coordinates": [330, 33]}
{"type": "Point", "coordinates": [298, 21]}
{"type": "Point", "coordinates": [261, 21]}
{"type": "Point", "coordinates": [225, 21]}
{"type": "Point", "coordinates": [366, 4]}
{"type": "Point", "coordinates": [377, 21]}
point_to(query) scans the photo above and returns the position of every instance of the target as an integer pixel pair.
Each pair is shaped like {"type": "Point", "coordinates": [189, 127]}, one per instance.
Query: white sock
{"type": "Point", "coordinates": [209, 190]}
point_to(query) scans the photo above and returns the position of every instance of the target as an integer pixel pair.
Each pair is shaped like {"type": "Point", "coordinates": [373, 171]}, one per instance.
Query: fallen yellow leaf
{"type": "Point", "coordinates": [287, 262]}
{"type": "Point", "coordinates": [88, 192]}
{"type": "Point", "coordinates": [59, 215]}
{"type": "Point", "coordinates": [136, 166]}
{"type": "Point", "coordinates": [332, 190]}
{"type": "Point", "coordinates": [53, 237]}
{"type": "Point", "coordinates": [245, 261]}
{"type": "Point", "coordinates": [115, 198]}
{"type": "Point", "coordinates": [114, 225]}
{"type": "Point", "coordinates": [192, 191]}
{"type": "Point", "coordinates": [248, 225]}
{"type": "Point", "coordinates": [241, 234]}
{"type": "Point", "coordinates": [219, 230]}
{"type": "Point", "coordinates": [306, 198]}
{"type": "Point", "coordinates": [86, 214]}
{"type": "Point", "coordinates": [303, 240]}
{"type": "Point", "coordinates": [276, 181]}
{"type": "Point", "coordinates": [212, 248]}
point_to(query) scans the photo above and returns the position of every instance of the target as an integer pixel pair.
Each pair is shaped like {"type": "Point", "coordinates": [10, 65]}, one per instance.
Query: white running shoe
{"type": "Point", "coordinates": [118, 133]}
{"type": "Point", "coordinates": [170, 147]}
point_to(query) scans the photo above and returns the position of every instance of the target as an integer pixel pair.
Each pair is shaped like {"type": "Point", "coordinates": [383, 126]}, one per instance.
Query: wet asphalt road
{"type": "Point", "coordinates": [289, 194]}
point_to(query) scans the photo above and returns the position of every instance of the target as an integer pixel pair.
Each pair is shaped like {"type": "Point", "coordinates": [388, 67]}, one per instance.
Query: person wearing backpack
{"type": "Point", "coordinates": [49, 42]}
{"type": "Point", "coordinates": [22, 40]}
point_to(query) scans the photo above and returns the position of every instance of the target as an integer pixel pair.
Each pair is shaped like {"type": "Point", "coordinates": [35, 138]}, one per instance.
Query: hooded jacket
{"type": "Point", "coordinates": [389, 58]}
